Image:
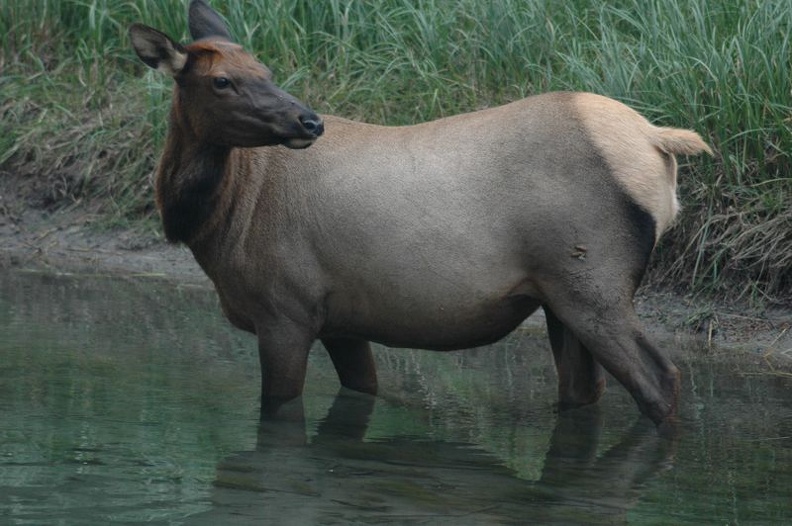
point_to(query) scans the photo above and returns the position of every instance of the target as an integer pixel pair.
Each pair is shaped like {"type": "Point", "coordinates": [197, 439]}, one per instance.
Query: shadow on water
{"type": "Point", "coordinates": [132, 401]}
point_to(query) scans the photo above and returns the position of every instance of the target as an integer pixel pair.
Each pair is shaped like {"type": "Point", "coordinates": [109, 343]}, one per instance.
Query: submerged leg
{"type": "Point", "coordinates": [580, 377]}
{"type": "Point", "coordinates": [354, 363]}
{"type": "Point", "coordinates": [283, 353]}
{"type": "Point", "coordinates": [605, 323]}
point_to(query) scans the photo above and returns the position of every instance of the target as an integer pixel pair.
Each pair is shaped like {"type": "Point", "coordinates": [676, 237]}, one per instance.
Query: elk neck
{"type": "Point", "coordinates": [190, 181]}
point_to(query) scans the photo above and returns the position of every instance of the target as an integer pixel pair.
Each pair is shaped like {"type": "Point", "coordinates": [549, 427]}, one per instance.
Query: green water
{"type": "Point", "coordinates": [132, 401]}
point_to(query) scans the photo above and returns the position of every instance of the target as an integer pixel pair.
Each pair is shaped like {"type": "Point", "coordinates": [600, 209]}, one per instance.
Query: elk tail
{"type": "Point", "coordinates": [676, 141]}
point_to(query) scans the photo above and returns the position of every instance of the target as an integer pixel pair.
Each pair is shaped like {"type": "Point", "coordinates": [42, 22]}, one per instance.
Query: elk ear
{"type": "Point", "coordinates": [205, 22]}
{"type": "Point", "coordinates": [157, 49]}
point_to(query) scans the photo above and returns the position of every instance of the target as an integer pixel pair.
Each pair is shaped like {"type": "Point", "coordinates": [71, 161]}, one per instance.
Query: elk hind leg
{"type": "Point", "coordinates": [605, 323]}
{"type": "Point", "coordinates": [581, 380]}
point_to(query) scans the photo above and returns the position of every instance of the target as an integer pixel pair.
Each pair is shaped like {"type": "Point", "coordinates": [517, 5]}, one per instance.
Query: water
{"type": "Point", "coordinates": [132, 401]}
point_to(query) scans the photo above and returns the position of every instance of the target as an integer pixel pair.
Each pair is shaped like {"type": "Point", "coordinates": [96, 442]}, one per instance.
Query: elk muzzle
{"type": "Point", "coordinates": [313, 127]}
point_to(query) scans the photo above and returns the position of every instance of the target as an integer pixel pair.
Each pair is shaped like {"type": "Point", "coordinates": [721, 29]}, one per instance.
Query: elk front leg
{"type": "Point", "coordinates": [354, 363]}
{"type": "Point", "coordinates": [283, 353]}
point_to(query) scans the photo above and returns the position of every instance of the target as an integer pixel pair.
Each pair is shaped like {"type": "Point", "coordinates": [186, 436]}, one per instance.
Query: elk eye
{"type": "Point", "coordinates": [221, 82]}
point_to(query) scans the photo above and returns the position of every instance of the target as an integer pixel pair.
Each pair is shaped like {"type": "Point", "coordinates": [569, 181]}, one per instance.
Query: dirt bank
{"type": "Point", "coordinates": [69, 241]}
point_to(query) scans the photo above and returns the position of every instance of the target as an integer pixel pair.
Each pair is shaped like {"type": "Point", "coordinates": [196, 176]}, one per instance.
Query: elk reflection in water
{"type": "Point", "coordinates": [338, 476]}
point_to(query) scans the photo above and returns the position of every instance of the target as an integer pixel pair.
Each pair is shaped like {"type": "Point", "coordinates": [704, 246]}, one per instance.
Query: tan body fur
{"type": "Point", "coordinates": [443, 235]}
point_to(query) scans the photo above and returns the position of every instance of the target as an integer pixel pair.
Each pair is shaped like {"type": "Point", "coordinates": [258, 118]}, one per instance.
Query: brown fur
{"type": "Point", "coordinates": [443, 235]}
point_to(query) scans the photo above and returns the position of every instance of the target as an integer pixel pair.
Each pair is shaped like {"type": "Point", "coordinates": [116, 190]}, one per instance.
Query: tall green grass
{"type": "Point", "coordinates": [83, 120]}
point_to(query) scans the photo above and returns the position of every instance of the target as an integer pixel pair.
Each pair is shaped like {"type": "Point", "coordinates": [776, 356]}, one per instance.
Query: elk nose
{"type": "Point", "coordinates": [312, 124]}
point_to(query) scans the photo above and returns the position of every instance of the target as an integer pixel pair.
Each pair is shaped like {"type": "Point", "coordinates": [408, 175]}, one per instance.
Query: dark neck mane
{"type": "Point", "coordinates": [188, 184]}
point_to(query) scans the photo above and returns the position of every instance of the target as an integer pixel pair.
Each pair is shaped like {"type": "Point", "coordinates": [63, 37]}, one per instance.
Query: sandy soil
{"type": "Point", "coordinates": [69, 241]}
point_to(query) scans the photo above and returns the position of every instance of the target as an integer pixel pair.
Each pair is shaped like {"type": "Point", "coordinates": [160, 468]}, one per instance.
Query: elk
{"type": "Point", "coordinates": [443, 235]}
